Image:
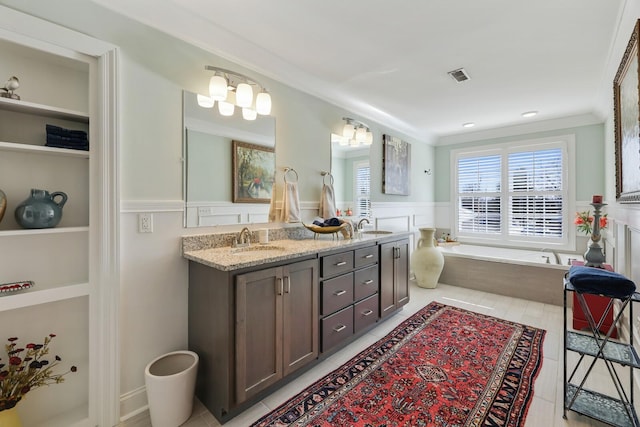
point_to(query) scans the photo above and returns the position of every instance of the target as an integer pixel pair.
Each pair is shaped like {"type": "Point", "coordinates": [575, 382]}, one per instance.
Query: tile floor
{"type": "Point", "coordinates": [545, 409]}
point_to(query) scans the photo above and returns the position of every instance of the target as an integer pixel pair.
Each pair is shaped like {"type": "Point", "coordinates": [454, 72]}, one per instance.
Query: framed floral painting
{"type": "Point", "coordinates": [626, 107]}
{"type": "Point", "coordinates": [253, 172]}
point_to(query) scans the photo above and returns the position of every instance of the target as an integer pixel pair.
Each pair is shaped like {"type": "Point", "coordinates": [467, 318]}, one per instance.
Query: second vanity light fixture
{"type": "Point", "coordinates": [233, 89]}
{"type": "Point", "coordinates": [355, 133]}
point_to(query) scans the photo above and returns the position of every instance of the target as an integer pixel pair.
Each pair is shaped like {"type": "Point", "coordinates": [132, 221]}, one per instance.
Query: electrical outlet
{"type": "Point", "coordinates": [145, 223]}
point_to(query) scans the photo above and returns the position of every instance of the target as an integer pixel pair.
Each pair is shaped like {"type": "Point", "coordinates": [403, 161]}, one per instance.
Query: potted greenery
{"type": "Point", "coordinates": [24, 370]}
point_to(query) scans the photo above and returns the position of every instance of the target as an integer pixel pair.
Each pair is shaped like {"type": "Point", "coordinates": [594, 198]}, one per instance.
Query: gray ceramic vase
{"type": "Point", "coordinates": [41, 210]}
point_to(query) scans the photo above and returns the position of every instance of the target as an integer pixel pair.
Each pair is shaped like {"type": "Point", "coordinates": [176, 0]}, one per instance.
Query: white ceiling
{"type": "Point", "coordinates": [388, 60]}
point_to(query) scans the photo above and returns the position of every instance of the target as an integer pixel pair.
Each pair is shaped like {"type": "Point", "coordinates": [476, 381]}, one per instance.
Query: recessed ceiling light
{"type": "Point", "coordinates": [529, 113]}
{"type": "Point", "coordinates": [468, 125]}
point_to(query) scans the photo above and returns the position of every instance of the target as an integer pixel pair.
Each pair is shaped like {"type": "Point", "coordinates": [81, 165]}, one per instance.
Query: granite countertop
{"type": "Point", "coordinates": [226, 258]}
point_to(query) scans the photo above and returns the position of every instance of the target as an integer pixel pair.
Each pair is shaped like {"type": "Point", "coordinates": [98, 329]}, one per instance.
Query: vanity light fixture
{"type": "Point", "coordinates": [529, 113]}
{"type": "Point", "coordinates": [356, 132]}
{"type": "Point", "coordinates": [233, 89]}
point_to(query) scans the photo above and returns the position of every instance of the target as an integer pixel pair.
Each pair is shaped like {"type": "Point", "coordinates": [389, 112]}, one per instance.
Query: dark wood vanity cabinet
{"type": "Point", "coordinates": [250, 329]}
{"type": "Point", "coordinates": [394, 276]}
{"type": "Point", "coordinates": [349, 294]}
{"type": "Point", "coordinates": [276, 324]}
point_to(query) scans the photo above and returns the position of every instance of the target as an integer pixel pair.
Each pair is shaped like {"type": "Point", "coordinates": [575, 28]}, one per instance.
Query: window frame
{"type": "Point", "coordinates": [355, 196]}
{"type": "Point", "coordinates": [567, 145]}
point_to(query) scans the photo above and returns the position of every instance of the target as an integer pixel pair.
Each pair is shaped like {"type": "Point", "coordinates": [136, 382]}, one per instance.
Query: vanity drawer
{"type": "Point", "coordinates": [333, 265]}
{"type": "Point", "coordinates": [337, 293]}
{"type": "Point", "coordinates": [365, 282]}
{"type": "Point", "coordinates": [365, 313]}
{"type": "Point", "coordinates": [366, 256]}
{"type": "Point", "coordinates": [337, 328]}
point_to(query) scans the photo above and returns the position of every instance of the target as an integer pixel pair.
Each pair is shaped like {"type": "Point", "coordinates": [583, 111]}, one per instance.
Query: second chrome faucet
{"type": "Point", "coordinates": [243, 239]}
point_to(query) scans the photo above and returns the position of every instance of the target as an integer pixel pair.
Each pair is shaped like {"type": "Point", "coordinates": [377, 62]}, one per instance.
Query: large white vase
{"type": "Point", "coordinates": [427, 260]}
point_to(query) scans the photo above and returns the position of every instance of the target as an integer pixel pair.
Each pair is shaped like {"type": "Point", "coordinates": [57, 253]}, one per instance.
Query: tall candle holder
{"type": "Point", "coordinates": [594, 257]}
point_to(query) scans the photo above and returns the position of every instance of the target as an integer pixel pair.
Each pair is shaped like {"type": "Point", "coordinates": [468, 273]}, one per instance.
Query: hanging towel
{"type": "Point", "coordinates": [290, 203]}
{"type": "Point", "coordinates": [272, 205]}
{"type": "Point", "coordinates": [327, 201]}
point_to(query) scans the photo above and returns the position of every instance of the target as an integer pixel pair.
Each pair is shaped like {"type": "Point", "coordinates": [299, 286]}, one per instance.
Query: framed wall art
{"type": "Point", "coordinates": [253, 172]}
{"type": "Point", "coordinates": [626, 107]}
{"type": "Point", "coordinates": [396, 166]}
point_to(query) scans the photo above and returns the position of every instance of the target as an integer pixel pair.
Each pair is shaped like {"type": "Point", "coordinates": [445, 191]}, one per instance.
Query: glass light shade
{"type": "Point", "coordinates": [347, 130]}
{"type": "Point", "coordinates": [249, 113]}
{"type": "Point", "coordinates": [218, 88]}
{"type": "Point", "coordinates": [205, 101]}
{"type": "Point", "coordinates": [368, 139]}
{"type": "Point", "coordinates": [226, 108]}
{"type": "Point", "coordinates": [361, 134]}
{"type": "Point", "coordinates": [244, 95]}
{"type": "Point", "coordinates": [263, 103]}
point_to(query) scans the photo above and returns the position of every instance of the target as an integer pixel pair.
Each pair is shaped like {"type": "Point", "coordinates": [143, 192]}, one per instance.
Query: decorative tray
{"type": "Point", "coordinates": [325, 230]}
{"type": "Point", "coordinates": [6, 288]}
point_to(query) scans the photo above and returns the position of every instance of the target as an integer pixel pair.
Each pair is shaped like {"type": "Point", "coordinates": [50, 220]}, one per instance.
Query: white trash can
{"type": "Point", "coordinates": [171, 380]}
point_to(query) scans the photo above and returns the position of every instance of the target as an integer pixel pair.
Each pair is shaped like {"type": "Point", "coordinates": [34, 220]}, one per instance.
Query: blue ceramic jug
{"type": "Point", "coordinates": [41, 210]}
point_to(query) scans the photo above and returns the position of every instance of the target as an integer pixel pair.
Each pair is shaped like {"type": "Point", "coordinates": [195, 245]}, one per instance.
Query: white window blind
{"type": "Point", "coordinates": [535, 193]}
{"type": "Point", "coordinates": [512, 192]}
{"type": "Point", "coordinates": [479, 198]}
{"type": "Point", "coordinates": [363, 189]}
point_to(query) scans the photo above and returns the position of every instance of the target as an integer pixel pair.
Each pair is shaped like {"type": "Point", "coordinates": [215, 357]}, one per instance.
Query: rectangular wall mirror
{"type": "Point", "coordinates": [352, 178]}
{"type": "Point", "coordinates": [208, 164]}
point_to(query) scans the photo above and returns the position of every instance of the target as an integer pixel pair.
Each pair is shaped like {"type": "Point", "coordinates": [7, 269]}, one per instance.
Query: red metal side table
{"type": "Point", "coordinates": [597, 304]}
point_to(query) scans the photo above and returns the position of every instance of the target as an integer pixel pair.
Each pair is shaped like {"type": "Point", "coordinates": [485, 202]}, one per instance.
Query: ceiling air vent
{"type": "Point", "coordinates": [459, 75]}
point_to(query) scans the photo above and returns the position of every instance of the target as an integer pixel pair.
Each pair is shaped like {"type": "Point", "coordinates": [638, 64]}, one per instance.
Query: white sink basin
{"type": "Point", "coordinates": [376, 232]}
{"type": "Point", "coordinates": [256, 249]}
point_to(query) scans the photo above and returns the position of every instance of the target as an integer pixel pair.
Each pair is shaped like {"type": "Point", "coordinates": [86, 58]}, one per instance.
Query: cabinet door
{"type": "Point", "coordinates": [402, 273]}
{"type": "Point", "coordinates": [258, 331]}
{"type": "Point", "coordinates": [394, 276]}
{"type": "Point", "coordinates": [387, 278]}
{"type": "Point", "coordinates": [300, 316]}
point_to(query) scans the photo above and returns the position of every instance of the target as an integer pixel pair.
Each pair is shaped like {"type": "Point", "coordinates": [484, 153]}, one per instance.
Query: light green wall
{"type": "Point", "coordinates": [155, 68]}
{"type": "Point", "coordinates": [208, 160]}
{"type": "Point", "coordinates": [589, 159]}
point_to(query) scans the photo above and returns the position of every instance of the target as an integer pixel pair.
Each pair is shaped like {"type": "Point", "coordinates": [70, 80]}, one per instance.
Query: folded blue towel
{"type": "Point", "coordinates": [332, 222]}
{"type": "Point", "coordinates": [599, 281]}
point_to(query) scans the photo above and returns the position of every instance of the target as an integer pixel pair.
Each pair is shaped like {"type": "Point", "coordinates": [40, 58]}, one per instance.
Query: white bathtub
{"type": "Point", "coordinates": [511, 272]}
{"type": "Point", "coordinates": [509, 255]}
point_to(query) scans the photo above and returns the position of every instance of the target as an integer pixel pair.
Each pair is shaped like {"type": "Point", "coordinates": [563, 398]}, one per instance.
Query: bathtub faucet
{"type": "Point", "coordinates": [555, 255]}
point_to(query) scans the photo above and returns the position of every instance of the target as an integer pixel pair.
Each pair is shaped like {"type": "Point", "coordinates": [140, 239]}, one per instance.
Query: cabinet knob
{"type": "Point", "coordinates": [339, 328]}
{"type": "Point", "coordinates": [340, 292]}
{"type": "Point", "coordinates": [367, 313]}
{"type": "Point", "coordinates": [368, 256]}
{"type": "Point", "coordinates": [341, 263]}
{"type": "Point", "coordinates": [279, 286]}
{"type": "Point", "coordinates": [367, 282]}
{"type": "Point", "coordinates": [287, 284]}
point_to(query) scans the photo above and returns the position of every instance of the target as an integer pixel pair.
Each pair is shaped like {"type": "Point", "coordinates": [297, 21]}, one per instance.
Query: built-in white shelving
{"type": "Point", "coordinates": [34, 296]}
{"type": "Point", "coordinates": [42, 110]}
{"type": "Point", "coordinates": [65, 152]}
{"type": "Point", "coordinates": [56, 259]}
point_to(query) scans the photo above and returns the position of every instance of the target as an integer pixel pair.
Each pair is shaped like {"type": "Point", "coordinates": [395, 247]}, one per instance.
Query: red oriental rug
{"type": "Point", "coordinates": [444, 366]}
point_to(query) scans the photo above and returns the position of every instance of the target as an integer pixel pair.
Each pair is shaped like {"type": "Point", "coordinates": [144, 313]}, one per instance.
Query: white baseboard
{"type": "Point", "coordinates": [133, 403]}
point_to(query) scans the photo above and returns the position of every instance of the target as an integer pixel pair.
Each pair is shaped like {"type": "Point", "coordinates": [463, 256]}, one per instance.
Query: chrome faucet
{"type": "Point", "coordinates": [555, 255]}
{"type": "Point", "coordinates": [243, 239]}
{"type": "Point", "coordinates": [360, 226]}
